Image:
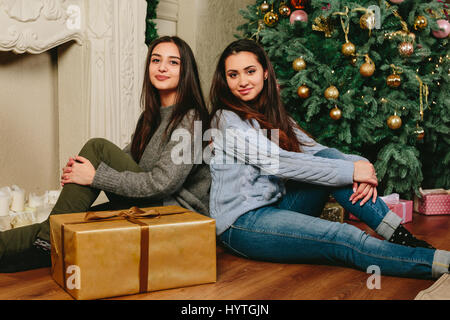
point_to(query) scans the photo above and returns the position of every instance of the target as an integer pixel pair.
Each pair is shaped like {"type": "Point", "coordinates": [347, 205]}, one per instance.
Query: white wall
{"type": "Point", "coordinates": [28, 121]}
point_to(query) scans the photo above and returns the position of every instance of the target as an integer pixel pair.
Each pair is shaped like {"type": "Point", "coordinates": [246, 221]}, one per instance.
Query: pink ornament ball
{"type": "Point", "coordinates": [445, 29]}
{"type": "Point", "coordinates": [298, 15]}
{"type": "Point", "coordinates": [396, 1]}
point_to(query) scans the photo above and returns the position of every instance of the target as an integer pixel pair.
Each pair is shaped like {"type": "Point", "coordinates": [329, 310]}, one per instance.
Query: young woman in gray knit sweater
{"type": "Point", "coordinates": [266, 196]}
{"type": "Point", "coordinates": [144, 173]}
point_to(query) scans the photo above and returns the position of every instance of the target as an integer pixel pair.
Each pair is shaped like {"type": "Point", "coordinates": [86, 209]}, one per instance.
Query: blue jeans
{"type": "Point", "coordinates": [290, 231]}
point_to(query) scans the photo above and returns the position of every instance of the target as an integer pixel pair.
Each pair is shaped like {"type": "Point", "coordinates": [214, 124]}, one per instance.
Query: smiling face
{"type": "Point", "coordinates": [164, 69]}
{"type": "Point", "coordinates": [245, 75]}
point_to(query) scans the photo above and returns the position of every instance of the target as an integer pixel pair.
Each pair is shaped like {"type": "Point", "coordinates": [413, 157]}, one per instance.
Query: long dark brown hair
{"type": "Point", "coordinates": [189, 96]}
{"type": "Point", "coordinates": [267, 109]}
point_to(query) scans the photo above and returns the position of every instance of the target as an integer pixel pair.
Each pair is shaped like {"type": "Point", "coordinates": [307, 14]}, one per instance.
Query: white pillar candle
{"type": "Point", "coordinates": [5, 223]}
{"type": "Point", "coordinates": [35, 201]}
{"type": "Point", "coordinates": [5, 200]}
{"type": "Point", "coordinates": [51, 197]}
{"type": "Point", "coordinates": [18, 199]}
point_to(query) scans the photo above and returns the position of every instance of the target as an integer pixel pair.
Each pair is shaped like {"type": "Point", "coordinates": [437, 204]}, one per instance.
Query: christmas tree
{"type": "Point", "coordinates": [151, 32]}
{"type": "Point", "coordinates": [368, 78]}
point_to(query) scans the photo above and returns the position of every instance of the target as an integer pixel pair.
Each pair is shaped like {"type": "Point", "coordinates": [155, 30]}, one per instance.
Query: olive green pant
{"type": "Point", "coordinates": [17, 251]}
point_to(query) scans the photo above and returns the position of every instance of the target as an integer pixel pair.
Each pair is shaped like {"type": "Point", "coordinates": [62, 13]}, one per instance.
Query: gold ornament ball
{"type": "Point", "coordinates": [284, 10]}
{"type": "Point", "coordinates": [303, 92]}
{"type": "Point", "coordinates": [299, 64]}
{"type": "Point", "coordinates": [394, 122]}
{"type": "Point", "coordinates": [264, 7]}
{"type": "Point", "coordinates": [405, 49]}
{"type": "Point", "coordinates": [420, 23]}
{"type": "Point", "coordinates": [367, 69]}
{"type": "Point", "coordinates": [270, 19]}
{"type": "Point", "coordinates": [348, 49]}
{"type": "Point", "coordinates": [420, 133]}
{"type": "Point", "coordinates": [394, 81]}
{"type": "Point", "coordinates": [367, 21]}
{"type": "Point", "coordinates": [354, 60]}
{"type": "Point", "coordinates": [335, 113]}
{"type": "Point", "coordinates": [332, 93]}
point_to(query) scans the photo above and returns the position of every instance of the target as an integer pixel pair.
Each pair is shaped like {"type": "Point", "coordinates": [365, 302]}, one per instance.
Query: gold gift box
{"type": "Point", "coordinates": [114, 253]}
{"type": "Point", "coordinates": [333, 211]}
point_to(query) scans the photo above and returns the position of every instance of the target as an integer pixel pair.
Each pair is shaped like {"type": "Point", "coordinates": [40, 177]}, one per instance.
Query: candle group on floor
{"type": "Point", "coordinates": [16, 212]}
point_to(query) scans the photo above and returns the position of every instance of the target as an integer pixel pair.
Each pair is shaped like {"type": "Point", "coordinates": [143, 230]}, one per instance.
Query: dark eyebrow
{"type": "Point", "coordinates": [252, 66]}
{"type": "Point", "coordinates": [173, 57]}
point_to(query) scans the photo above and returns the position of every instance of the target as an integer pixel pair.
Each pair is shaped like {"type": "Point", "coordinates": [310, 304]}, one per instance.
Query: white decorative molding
{"type": "Point", "coordinates": [167, 15]}
{"type": "Point", "coordinates": [23, 10]}
{"type": "Point", "coordinates": [167, 10]}
{"type": "Point", "coordinates": [36, 26]}
{"type": "Point", "coordinates": [116, 35]}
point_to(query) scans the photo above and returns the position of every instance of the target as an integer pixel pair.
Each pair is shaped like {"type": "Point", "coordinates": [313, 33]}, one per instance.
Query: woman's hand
{"type": "Point", "coordinates": [364, 172]}
{"type": "Point", "coordinates": [365, 191]}
{"type": "Point", "coordinates": [78, 170]}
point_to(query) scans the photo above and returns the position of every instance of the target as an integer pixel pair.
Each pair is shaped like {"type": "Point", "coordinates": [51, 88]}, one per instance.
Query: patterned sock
{"type": "Point", "coordinates": [42, 245]}
{"type": "Point", "coordinates": [404, 237]}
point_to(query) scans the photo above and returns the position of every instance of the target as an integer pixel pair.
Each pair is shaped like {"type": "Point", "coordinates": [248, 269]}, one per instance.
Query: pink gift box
{"type": "Point", "coordinates": [403, 208]}
{"type": "Point", "coordinates": [433, 204]}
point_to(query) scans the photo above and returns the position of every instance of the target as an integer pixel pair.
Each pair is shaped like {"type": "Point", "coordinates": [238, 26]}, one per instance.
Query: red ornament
{"type": "Point", "coordinates": [299, 4]}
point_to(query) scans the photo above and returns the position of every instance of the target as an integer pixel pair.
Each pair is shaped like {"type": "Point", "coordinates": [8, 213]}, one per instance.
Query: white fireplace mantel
{"type": "Point", "coordinates": [36, 26]}
{"type": "Point", "coordinates": [101, 56]}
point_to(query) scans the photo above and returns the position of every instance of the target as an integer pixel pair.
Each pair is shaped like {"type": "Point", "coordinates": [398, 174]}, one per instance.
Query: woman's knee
{"type": "Point", "coordinates": [95, 143]}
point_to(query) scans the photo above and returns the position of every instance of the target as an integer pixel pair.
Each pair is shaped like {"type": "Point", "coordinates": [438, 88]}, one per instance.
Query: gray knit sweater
{"type": "Point", "coordinates": [186, 185]}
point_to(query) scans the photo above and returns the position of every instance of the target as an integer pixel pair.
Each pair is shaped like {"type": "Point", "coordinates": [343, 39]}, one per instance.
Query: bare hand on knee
{"type": "Point", "coordinates": [363, 191]}
{"type": "Point", "coordinates": [79, 170]}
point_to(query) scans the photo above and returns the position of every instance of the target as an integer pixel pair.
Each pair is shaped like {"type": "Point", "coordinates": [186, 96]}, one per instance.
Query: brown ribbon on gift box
{"type": "Point", "coordinates": [132, 215]}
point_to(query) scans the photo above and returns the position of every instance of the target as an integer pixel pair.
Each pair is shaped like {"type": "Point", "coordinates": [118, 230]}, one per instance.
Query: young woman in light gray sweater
{"type": "Point", "coordinates": [266, 196]}
{"type": "Point", "coordinates": [144, 173]}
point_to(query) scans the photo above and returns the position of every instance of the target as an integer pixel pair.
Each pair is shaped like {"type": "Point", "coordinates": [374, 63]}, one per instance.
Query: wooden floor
{"type": "Point", "coordinates": [251, 280]}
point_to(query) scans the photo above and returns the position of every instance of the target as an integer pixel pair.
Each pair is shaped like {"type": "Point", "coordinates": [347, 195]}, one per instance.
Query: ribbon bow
{"type": "Point", "coordinates": [130, 214]}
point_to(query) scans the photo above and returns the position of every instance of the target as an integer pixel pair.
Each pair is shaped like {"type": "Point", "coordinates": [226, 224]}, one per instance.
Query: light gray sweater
{"type": "Point", "coordinates": [186, 185]}
{"type": "Point", "coordinates": [249, 171]}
